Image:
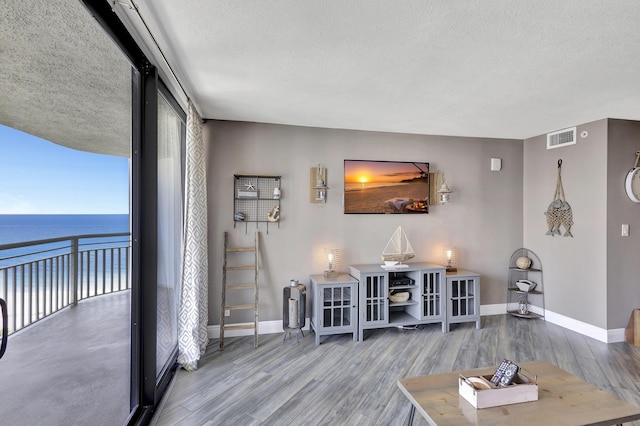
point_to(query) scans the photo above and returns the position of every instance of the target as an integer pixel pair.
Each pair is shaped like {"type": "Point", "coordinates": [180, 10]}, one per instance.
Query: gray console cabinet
{"type": "Point", "coordinates": [425, 283]}
{"type": "Point", "coordinates": [463, 297]}
{"type": "Point", "coordinates": [334, 305]}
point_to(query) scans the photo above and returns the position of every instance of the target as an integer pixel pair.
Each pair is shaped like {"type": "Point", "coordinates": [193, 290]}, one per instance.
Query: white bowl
{"type": "Point", "coordinates": [524, 286]}
{"type": "Point", "coordinates": [389, 263]}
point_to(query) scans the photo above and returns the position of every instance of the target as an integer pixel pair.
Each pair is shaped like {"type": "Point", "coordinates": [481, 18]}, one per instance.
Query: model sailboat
{"type": "Point", "coordinates": [398, 249]}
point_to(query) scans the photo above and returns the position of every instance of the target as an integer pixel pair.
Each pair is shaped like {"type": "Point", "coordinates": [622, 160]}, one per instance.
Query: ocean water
{"type": "Point", "coordinates": [357, 186]}
{"type": "Point", "coordinates": [15, 228]}
{"type": "Point", "coordinates": [25, 228]}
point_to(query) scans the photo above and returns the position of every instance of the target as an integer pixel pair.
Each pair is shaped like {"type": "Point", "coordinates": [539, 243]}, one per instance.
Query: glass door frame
{"type": "Point", "coordinates": [146, 392]}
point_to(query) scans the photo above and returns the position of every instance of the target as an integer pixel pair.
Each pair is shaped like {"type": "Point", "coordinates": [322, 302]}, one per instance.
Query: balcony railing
{"type": "Point", "coordinates": [39, 278]}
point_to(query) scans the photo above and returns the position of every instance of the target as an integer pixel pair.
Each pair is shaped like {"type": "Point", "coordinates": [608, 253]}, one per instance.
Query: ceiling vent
{"type": "Point", "coordinates": [561, 138]}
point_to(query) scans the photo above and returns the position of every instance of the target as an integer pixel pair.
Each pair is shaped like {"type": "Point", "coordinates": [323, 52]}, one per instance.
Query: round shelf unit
{"type": "Point", "coordinates": [525, 304]}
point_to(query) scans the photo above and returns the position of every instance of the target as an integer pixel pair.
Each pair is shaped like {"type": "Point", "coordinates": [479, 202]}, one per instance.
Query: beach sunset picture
{"type": "Point", "coordinates": [386, 187]}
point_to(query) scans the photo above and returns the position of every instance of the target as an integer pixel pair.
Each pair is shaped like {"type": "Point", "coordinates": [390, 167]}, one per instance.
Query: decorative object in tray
{"type": "Point", "coordinates": [397, 250]}
{"type": "Point", "coordinates": [508, 385]}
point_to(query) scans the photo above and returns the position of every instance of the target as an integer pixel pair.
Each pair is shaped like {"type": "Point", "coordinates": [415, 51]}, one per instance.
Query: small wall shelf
{"type": "Point", "coordinates": [255, 198]}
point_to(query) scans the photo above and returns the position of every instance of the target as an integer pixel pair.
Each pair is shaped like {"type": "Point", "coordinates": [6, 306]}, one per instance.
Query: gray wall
{"type": "Point", "coordinates": [484, 219]}
{"type": "Point", "coordinates": [592, 277]}
{"type": "Point", "coordinates": [623, 267]}
{"type": "Point", "coordinates": [575, 270]}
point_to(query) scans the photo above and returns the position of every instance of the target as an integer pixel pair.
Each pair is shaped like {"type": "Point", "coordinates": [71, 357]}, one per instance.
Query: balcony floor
{"type": "Point", "coordinates": [71, 368]}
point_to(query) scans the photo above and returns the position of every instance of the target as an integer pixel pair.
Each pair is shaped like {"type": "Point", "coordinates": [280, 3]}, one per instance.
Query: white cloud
{"type": "Point", "coordinates": [15, 204]}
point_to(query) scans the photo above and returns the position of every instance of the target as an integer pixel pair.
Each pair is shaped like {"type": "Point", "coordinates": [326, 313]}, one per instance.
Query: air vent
{"type": "Point", "coordinates": [561, 138]}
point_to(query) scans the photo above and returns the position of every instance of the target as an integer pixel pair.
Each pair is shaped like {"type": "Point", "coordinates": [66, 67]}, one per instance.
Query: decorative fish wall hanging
{"type": "Point", "coordinates": [559, 212]}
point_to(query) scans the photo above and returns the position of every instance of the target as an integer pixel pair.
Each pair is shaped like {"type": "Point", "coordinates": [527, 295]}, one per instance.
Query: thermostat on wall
{"type": "Point", "coordinates": [496, 164]}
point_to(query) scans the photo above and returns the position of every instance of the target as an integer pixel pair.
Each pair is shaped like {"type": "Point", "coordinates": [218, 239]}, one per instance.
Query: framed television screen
{"type": "Point", "coordinates": [386, 187]}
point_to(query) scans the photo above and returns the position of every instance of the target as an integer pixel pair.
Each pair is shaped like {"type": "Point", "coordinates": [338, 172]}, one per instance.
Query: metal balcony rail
{"type": "Point", "coordinates": [39, 278]}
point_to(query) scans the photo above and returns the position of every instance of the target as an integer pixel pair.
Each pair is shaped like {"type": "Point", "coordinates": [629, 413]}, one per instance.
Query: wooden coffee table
{"type": "Point", "coordinates": [563, 399]}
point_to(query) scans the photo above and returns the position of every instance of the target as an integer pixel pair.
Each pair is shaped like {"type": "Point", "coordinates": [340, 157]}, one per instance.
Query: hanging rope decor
{"type": "Point", "coordinates": [559, 212]}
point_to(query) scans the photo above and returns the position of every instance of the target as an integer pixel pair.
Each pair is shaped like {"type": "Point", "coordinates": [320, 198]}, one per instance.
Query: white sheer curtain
{"type": "Point", "coordinates": [170, 228]}
{"type": "Point", "coordinates": [194, 312]}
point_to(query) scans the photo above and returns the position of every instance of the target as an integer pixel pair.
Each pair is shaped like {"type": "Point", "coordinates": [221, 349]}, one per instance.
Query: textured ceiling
{"type": "Point", "coordinates": [504, 69]}
{"type": "Point", "coordinates": [61, 77]}
{"type": "Point", "coordinates": [500, 68]}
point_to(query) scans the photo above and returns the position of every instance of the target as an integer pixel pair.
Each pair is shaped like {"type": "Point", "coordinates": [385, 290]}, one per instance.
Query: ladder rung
{"type": "Point", "coordinates": [240, 267]}
{"type": "Point", "coordinates": [238, 307]}
{"type": "Point", "coordinates": [241, 286]}
{"type": "Point", "coordinates": [237, 249]}
{"type": "Point", "coordinates": [239, 327]}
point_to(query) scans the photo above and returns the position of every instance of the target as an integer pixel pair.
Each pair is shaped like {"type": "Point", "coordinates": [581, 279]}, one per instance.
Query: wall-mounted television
{"type": "Point", "coordinates": [386, 187]}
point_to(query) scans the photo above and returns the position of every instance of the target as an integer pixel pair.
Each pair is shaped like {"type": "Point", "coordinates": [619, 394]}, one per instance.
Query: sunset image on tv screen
{"type": "Point", "coordinates": [386, 187]}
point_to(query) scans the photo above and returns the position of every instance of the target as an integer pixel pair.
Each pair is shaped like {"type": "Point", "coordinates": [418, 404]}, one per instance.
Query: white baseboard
{"type": "Point", "coordinates": [601, 334]}
{"type": "Point", "coordinates": [498, 309]}
{"type": "Point", "coordinates": [586, 329]}
{"type": "Point", "coordinates": [589, 330]}
{"type": "Point", "coordinates": [616, 335]}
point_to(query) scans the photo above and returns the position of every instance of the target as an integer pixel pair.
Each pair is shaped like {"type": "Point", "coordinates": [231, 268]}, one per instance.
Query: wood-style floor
{"type": "Point", "coordinates": [342, 382]}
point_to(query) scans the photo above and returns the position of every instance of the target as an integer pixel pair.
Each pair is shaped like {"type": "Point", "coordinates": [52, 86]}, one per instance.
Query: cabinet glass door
{"type": "Point", "coordinates": [375, 299]}
{"type": "Point", "coordinates": [462, 297]}
{"type": "Point", "coordinates": [337, 306]}
{"type": "Point", "coordinates": [431, 294]}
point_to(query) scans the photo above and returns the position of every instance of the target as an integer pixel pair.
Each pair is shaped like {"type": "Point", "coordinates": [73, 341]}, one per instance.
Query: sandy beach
{"type": "Point", "coordinates": [374, 200]}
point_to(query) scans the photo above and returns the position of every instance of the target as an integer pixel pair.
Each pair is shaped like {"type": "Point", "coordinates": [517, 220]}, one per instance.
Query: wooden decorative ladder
{"type": "Point", "coordinates": [240, 288]}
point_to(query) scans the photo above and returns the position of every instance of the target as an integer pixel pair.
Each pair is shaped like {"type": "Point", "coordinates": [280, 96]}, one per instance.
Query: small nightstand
{"type": "Point", "coordinates": [463, 297]}
{"type": "Point", "coordinates": [334, 305]}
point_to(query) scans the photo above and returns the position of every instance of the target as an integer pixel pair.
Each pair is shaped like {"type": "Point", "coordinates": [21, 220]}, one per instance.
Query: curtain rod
{"type": "Point", "coordinates": [132, 6]}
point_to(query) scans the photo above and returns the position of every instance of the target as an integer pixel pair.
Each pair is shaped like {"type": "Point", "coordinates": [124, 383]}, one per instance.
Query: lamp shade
{"type": "Point", "coordinates": [450, 255]}
{"type": "Point", "coordinates": [332, 261]}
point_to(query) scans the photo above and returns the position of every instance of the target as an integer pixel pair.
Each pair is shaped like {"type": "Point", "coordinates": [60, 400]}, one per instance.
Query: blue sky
{"type": "Point", "coordinates": [40, 177]}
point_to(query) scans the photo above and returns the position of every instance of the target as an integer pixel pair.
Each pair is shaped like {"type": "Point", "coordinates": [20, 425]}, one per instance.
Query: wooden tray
{"type": "Point", "coordinates": [523, 389]}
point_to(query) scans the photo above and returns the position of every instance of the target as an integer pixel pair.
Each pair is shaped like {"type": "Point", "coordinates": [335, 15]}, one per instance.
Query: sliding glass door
{"type": "Point", "coordinates": [171, 137]}
{"type": "Point", "coordinates": [157, 147]}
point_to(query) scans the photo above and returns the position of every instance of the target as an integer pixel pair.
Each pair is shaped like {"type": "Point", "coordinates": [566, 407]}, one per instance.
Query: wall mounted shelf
{"type": "Point", "coordinates": [256, 198]}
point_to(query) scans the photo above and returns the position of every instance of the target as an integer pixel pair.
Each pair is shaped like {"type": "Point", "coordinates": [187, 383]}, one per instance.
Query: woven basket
{"type": "Point", "coordinates": [401, 296]}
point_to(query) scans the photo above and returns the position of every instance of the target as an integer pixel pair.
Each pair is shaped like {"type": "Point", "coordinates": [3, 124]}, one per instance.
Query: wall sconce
{"type": "Point", "coordinates": [444, 193]}
{"type": "Point", "coordinates": [451, 258]}
{"type": "Point", "coordinates": [332, 258]}
{"type": "Point", "coordinates": [437, 186]}
{"type": "Point", "coordinates": [318, 185]}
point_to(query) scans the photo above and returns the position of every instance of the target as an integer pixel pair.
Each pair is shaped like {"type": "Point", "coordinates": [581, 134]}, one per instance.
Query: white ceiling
{"type": "Point", "coordinates": [498, 68]}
